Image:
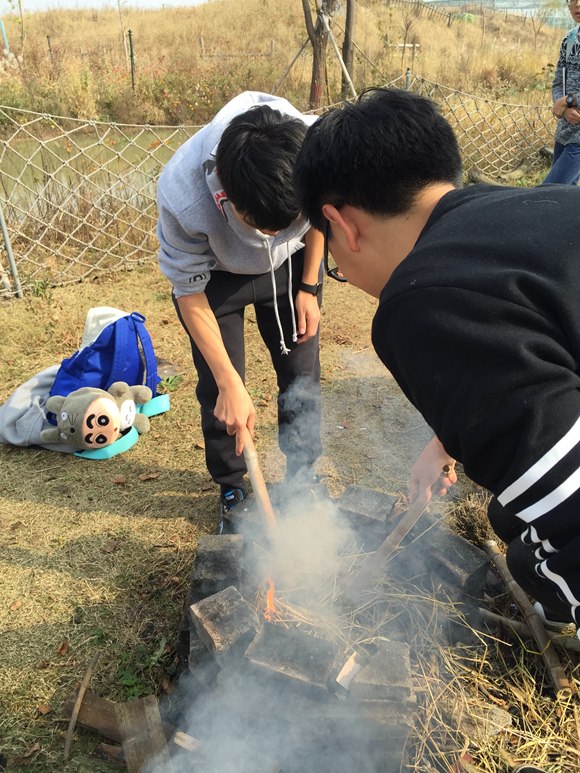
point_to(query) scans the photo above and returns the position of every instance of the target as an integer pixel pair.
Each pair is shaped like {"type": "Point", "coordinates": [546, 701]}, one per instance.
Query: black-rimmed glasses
{"type": "Point", "coordinates": [332, 271]}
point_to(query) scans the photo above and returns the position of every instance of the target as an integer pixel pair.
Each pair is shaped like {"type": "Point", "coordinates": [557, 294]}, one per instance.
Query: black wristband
{"type": "Point", "coordinates": [312, 289]}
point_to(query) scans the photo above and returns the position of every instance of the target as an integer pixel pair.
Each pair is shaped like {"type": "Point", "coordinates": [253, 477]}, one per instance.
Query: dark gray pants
{"type": "Point", "coordinates": [298, 373]}
{"type": "Point", "coordinates": [548, 569]}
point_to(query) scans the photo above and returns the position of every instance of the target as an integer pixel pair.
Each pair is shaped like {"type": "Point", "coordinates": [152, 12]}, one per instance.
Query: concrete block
{"type": "Point", "coordinates": [386, 676]}
{"type": "Point", "coordinates": [290, 654]}
{"type": "Point", "coordinates": [366, 512]}
{"type": "Point", "coordinates": [218, 565]}
{"type": "Point", "coordinates": [225, 623]}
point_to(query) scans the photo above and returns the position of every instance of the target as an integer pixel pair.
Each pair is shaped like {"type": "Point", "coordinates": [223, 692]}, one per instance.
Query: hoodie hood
{"type": "Point", "coordinates": [240, 104]}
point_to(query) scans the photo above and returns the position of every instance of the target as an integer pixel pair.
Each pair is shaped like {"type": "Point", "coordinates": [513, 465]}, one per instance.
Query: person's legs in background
{"type": "Point", "coordinates": [298, 374]}
{"type": "Point", "coordinates": [566, 165]}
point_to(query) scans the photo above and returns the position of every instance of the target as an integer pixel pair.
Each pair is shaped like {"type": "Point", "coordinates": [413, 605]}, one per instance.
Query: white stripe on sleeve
{"type": "Point", "coordinates": [542, 466]}
{"type": "Point", "coordinates": [551, 500]}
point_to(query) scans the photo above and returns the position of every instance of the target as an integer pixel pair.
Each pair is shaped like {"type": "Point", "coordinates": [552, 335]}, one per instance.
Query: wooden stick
{"type": "Point", "coordinates": [187, 741]}
{"type": "Point", "coordinates": [569, 643]}
{"type": "Point", "coordinates": [77, 706]}
{"type": "Point", "coordinates": [376, 561]}
{"type": "Point", "coordinates": [534, 621]}
{"type": "Point", "coordinates": [258, 483]}
{"type": "Point", "coordinates": [289, 67]}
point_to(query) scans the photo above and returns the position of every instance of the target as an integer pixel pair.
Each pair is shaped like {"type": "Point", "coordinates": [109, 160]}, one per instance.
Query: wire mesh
{"type": "Point", "coordinates": [499, 139]}
{"type": "Point", "coordinates": [78, 197]}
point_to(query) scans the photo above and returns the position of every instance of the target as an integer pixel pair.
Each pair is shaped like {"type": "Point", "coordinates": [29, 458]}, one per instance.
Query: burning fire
{"type": "Point", "coordinates": [270, 610]}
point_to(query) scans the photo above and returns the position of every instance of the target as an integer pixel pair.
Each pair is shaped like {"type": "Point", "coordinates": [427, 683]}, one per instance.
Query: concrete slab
{"type": "Point", "coordinates": [225, 623]}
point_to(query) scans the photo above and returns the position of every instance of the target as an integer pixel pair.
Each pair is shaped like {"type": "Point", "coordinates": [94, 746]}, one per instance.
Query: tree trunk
{"type": "Point", "coordinates": [318, 38]}
{"type": "Point", "coordinates": [318, 62]}
{"type": "Point", "coordinates": [347, 46]}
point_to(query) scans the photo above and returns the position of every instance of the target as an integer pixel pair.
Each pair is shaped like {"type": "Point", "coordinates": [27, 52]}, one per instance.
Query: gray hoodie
{"type": "Point", "coordinates": [197, 230]}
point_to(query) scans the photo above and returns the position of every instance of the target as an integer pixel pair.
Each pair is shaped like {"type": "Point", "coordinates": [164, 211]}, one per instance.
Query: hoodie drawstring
{"type": "Point", "coordinates": [283, 348]}
{"type": "Point", "coordinates": [290, 298]}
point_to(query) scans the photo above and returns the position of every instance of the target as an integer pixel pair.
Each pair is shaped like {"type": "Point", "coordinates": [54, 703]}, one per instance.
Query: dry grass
{"type": "Point", "coordinates": [189, 61]}
{"type": "Point", "coordinates": [94, 557]}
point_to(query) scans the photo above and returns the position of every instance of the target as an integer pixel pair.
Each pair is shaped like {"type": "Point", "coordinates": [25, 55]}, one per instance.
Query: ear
{"type": "Point", "coordinates": [342, 220]}
{"type": "Point", "coordinates": [54, 404]}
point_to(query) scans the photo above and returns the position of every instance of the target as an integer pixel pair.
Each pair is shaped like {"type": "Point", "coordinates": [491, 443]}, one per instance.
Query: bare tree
{"type": "Point", "coordinates": [123, 35]}
{"type": "Point", "coordinates": [347, 46]}
{"type": "Point", "coordinates": [541, 15]}
{"type": "Point", "coordinates": [16, 5]}
{"type": "Point", "coordinates": [318, 36]}
{"type": "Point", "coordinates": [407, 29]}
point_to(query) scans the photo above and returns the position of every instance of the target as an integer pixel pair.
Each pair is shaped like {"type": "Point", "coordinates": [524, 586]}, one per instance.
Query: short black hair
{"type": "Point", "coordinates": [255, 163]}
{"type": "Point", "coordinates": [376, 154]}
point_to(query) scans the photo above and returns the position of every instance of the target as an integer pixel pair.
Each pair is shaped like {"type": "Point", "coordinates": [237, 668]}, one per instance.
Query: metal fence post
{"type": "Point", "coordinates": [132, 55]}
{"type": "Point", "coordinates": [11, 261]}
{"type": "Point", "coordinates": [408, 79]}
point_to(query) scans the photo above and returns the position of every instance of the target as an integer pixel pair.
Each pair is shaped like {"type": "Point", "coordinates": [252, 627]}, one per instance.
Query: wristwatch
{"type": "Point", "coordinates": [570, 100]}
{"type": "Point", "coordinates": [312, 289]}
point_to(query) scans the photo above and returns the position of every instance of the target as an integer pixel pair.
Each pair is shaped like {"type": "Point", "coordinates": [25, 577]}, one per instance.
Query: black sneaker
{"type": "Point", "coordinates": [228, 500]}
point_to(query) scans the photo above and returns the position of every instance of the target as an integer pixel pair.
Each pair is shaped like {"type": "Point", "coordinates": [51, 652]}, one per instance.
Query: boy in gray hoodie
{"type": "Point", "coordinates": [231, 235]}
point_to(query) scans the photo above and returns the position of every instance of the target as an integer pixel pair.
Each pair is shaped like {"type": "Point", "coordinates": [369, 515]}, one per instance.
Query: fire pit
{"type": "Point", "coordinates": [279, 673]}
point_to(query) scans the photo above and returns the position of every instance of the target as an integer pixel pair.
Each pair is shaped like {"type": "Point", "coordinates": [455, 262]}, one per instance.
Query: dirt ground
{"type": "Point", "coordinates": [96, 555]}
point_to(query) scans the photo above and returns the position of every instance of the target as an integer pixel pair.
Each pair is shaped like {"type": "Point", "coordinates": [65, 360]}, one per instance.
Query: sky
{"type": "Point", "coordinates": [44, 5]}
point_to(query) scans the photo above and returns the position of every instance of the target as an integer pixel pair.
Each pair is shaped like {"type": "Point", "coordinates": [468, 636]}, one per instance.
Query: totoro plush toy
{"type": "Point", "coordinates": [90, 418]}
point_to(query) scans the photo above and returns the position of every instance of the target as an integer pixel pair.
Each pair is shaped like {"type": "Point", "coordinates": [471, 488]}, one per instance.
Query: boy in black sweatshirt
{"type": "Point", "coordinates": [478, 319]}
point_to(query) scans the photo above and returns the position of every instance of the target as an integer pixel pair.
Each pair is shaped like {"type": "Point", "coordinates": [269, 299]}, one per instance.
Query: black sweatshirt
{"type": "Point", "coordinates": [480, 326]}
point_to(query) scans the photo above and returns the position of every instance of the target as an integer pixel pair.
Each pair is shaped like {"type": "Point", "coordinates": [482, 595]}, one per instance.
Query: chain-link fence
{"type": "Point", "coordinates": [77, 198]}
{"type": "Point", "coordinates": [499, 140]}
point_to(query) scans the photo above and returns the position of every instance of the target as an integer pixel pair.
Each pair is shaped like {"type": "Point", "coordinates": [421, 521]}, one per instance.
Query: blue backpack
{"type": "Point", "coordinates": [123, 351]}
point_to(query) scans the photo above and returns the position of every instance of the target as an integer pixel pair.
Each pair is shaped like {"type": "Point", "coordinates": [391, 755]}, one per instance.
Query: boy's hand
{"type": "Point", "coordinates": [307, 316]}
{"type": "Point", "coordinates": [433, 466]}
{"type": "Point", "coordinates": [572, 116]}
{"type": "Point", "coordinates": [235, 408]}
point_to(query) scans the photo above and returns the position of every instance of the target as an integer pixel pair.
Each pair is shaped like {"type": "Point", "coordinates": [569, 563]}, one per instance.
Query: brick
{"type": "Point", "coordinates": [434, 554]}
{"type": "Point", "coordinates": [225, 623]}
{"type": "Point", "coordinates": [386, 676]}
{"type": "Point", "coordinates": [347, 735]}
{"type": "Point", "coordinates": [218, 565]}
{"type": "Point", "coordinates": [202, 666]}
{"type": "Point", "coordinates": [300, 660]}
{"type": "Point", "coordinates": [366, 512]}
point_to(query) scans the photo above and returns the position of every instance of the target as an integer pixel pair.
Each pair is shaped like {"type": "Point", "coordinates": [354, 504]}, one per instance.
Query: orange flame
{"type": "Point", "coordinates": [270, 610]}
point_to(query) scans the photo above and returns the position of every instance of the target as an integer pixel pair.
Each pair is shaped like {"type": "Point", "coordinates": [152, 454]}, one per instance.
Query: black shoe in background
{"type": "Point", "coordinates": [230, 497]}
